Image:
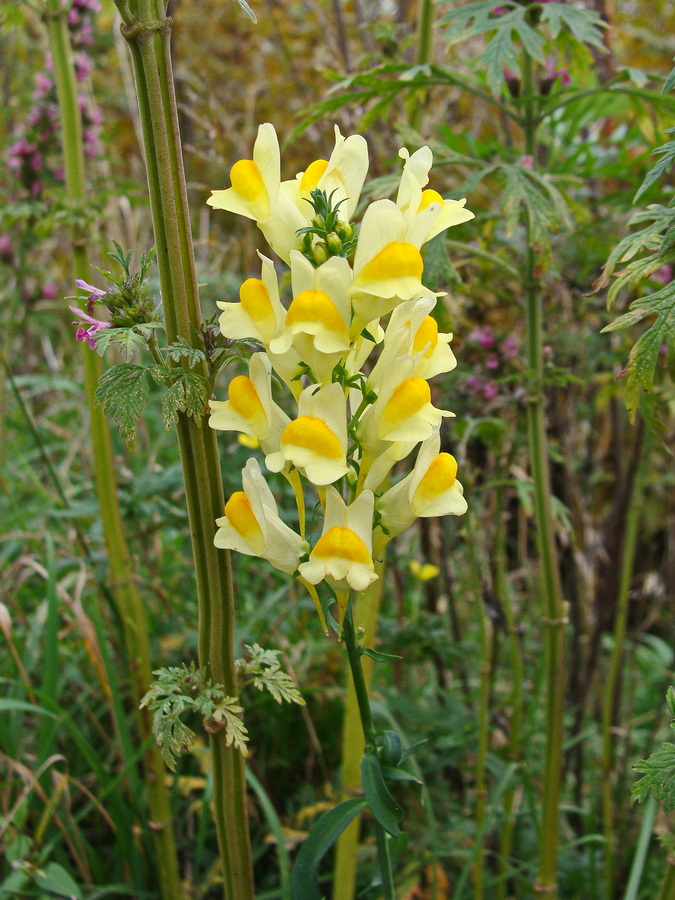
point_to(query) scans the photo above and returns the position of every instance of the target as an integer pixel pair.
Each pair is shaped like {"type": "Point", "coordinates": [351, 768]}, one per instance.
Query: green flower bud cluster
{"type": "Point", "coordinates": [328, 235]}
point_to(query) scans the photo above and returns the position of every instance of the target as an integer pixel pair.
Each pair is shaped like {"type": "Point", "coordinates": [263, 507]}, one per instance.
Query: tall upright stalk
{"type": "Point", "coordinates": [147, 31]}
{"type": "Point", "coordinates": [363, 703]}
{"type": "Point", "coordinates": [503, 592]}
{"type": "Point", "coordinates": [123, 586]}
{"type": "Point", "coordinates": [367, 609]}
{"type": "Point", "coordinates": [634, 517]}
{"type": "Point", "coordinates": [553, 610]}
{"type": "Point", "coordinates": [483, 712]}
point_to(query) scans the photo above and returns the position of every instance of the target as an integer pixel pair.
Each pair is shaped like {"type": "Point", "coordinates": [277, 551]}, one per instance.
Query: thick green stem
{"type": "Point", "coordinates": [366, 610]}
{"type": "Point", "coordinates": [149, 41]}
{"type": "Point", "coordinates": [363, 703]}
{"type": "Point", "coordinates": [634, 515]}
{"type": "Point", "coordinates": [553, 610]}
{"type": "Point", "coordinates": [483, 716]}
{"type": "Point", "coordinates": [424, 56]}
{"type": "Point", "coordinates": [124, 588]}
{"type": "Point", "coordinates": [667, 891]}
{"type": "Point", "coordinates": [503, 592]}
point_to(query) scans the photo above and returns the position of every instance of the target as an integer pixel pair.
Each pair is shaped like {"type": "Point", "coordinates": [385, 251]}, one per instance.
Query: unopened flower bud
{"type": "Point", "coordinates": [334, 243]}
{"type": "Point", "coordinates": [318, 221]}
{"type": "Point", "coordinates": [321, 254]}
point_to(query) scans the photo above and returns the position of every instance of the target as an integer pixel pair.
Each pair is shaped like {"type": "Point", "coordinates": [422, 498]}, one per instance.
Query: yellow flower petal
{"type": "Point", "coordinates": [427, 333]}
{"type": "Point", "coordinates": [313, 434]}
{"type": "Point", "coordinates": [244, 399]}
{"type": "Point", "coordinates": [429, 197]}
{"type": "Point", "coordinates": [397, 260]}
{"type": "Point", "coordinates": [255, 300]}
{"type": "Point", "coordinates": [316, 306]}
{"type": "Point", "coordinates": [312, 175]}
{"type": "Point", "coordinates": [240, 515]}
{"type": "Point", "coordinates": [407, 399]}
{"type": "Point", "coordinates": [344, 544]}
{"type": "Point", "coordinates": [247, 181]}
{"type": "Point", "coordinates": [439, 477]}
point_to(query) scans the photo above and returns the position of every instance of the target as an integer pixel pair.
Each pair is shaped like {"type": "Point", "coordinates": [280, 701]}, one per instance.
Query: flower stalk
{"type": "Point", "coordinates": [553, 608]}
{"type": "Point", "coordinates": [369, 734]}
{"type": "Point", "coordinates": [124, 588]}
{"type": "Point", "coordinates": [147, 32]}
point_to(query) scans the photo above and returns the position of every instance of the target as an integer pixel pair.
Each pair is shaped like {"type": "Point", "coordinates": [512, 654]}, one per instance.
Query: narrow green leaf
{"type": "Point", "coordinates": [8, 705]}
{"type": "Point", "coordinates": [380, 802]}
{"type": "Point", "coordinates": [669, 83]}
{"type": "Point", "coordinates": [304, 876]}
{"type": "Point", "coordinates": [54, 879]}
{"type": "Point", "coordinates": [378, 656]}
{"type": "Point", "coordinates": [402, 772]}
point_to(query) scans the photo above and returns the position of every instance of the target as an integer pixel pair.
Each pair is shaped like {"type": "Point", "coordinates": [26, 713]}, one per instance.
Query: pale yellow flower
{"type": "Point", "coordinates": [431, 489]}
{"type": "Point", "coordinates": [318, 319]}
{"type": "Point", "coordinates": [343, 553]}
{"type": "Point", "coordinates": [251, 524]}
{"type": "Point", "coordinates": [250, 408]}
{"type": "Point", "coordinates": [255, 193]}
{"type": "Point", "coordinates": [316, 442]}
{"type": "Point", "coordinates": [413, 332]}
{"type": "Point", "coordinates": [403, 410]}
{"type": "Point", "coordinates": [341, 177]}
{"type": "Point", "coordinates": [259, 314]}
{"type": "Point", "coordinates": [413, 200]}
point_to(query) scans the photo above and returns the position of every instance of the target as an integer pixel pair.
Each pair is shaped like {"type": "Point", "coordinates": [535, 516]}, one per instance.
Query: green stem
{"type": "Point", "coordinates": [366, 609]}
{"type": "Point", "coordinates": [363, 703]}
{"type": "Point", "coordinates": [149, 41]}
{"type": "Point", "coordinates": [483, 713]}
{"type": "Point", "coordinates": [667, 891]}
{"type": "Point", "coordinates": [124, 588]}
{"type": "Point", "coordinates": [634, 516]}
{"type": "Point", "coordinates": [553, 611]}
{"type": "Point", "coordinates": [503, 592]}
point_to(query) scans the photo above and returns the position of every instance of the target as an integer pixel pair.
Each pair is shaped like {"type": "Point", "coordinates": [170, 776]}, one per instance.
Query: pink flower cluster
{"type": "Point", "coordinates": [27, 156]}
{"type": "Point", "coordinates": [493, 356]}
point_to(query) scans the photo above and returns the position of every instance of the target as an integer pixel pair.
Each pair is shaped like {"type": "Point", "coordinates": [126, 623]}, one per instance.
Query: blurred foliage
{"type": "Point", "coordinates": [70, 794]}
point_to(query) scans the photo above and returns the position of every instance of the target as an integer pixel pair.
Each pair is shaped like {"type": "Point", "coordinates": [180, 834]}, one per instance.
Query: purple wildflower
{"type": "Point", "coordinates": [490, 390]}
{"type": "Point", "coordinates": [484, 336]}
{"type": "Point", "coordinates": [664, 274]}
{"type": "Point", "coordinates": [510, 347]}
{"type": "Point", "coordinates": [88, 334]}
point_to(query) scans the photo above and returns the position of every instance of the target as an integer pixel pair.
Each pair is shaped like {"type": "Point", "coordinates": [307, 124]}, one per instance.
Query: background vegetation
{"type": "Point", "coordinates": [461, 598]}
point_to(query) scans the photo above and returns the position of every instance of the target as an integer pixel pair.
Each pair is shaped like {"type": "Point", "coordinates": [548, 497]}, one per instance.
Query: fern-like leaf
{"type": "Point", "coordinates": [123, 392]}
{"type": "Point", "coordinates": [647, 349]}
{"type": "Point", "coordinates": [263, 671]}
{"type": "Point", "coordinates": [188, 394]}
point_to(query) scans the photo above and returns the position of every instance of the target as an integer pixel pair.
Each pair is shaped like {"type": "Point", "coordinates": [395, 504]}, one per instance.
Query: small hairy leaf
{"type": "Point", "coordinates": [584, 24]}
{"type": "Point", "coordinates": [665, 164]}
{"type": "Point", "coordinates": [189, 394]}
{"type": "Point", "coordinates": [123, 392]}
{"type": "Point", "coordinates": [658, 777]}
{"type": "Point", "coordinates": [178, 690]}
{"type": "Point", "coordinates": [180, 349]}
{"type": "Point", "coordinates": [510, 32]}
{"type": "Point", "coordinates": [264, 671]}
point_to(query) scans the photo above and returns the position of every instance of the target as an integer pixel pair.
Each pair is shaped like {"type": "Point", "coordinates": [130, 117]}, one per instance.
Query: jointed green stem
{"type": "Point", "coordinates": [149, 40]}
{"type": "Point", "coordinates": [361, 691]}
{"type": "Point", "coordinates": [552, 606]}
{"type": "Point", "coordinates": [124, 589]}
